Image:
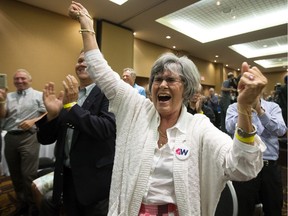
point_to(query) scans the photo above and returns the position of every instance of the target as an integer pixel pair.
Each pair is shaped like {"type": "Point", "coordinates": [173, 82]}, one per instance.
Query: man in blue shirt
{"type": "Point", "coordinates": [129, 76]}
{"type": "Point", "coordinates": [266, 188]}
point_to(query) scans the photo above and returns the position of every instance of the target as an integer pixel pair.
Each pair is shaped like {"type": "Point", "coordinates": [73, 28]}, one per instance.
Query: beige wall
{"type": "Point", "coordinates": [116, 45]}
{"type": "Point", "coordinates": [44, 43]}
{"type": "Point", "coordinates": [48, 44]}
{"type": "Point", "coordinates": [145, 55]}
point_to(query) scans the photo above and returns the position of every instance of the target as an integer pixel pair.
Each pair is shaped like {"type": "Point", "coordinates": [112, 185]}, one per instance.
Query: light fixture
{"type": "Point", "coordinates": [204, 24]}
{"type": "Point", "coordinates": [277, 45]}
{"type": "Point", "coordinates": [168, 37]}
{"type": "Point", "coordinates": [271, 63]}
{"type": "Point", "coordinates": [119, 2]}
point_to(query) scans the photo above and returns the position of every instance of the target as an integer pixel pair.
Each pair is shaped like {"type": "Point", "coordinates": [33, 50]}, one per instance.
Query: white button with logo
{"type": "Point", "coordinates": [182, 152]}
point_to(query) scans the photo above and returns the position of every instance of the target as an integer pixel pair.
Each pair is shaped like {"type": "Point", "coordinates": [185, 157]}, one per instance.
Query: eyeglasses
{"type": "Point", "coordinates": [168, 80]}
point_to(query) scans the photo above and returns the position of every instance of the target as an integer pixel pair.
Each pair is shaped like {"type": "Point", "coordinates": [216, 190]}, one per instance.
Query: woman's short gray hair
{"type": "Point", "coordinates": [183, 66]}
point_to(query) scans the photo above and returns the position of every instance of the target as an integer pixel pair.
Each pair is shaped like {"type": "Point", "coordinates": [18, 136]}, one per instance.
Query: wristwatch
{"type": "Point", "coordinates": [244, 134]}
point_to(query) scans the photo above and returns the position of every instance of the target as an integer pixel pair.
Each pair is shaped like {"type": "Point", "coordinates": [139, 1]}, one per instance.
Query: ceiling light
{"type": "Point", "coordinates": [194, 21]}
{"type": "Point", "coordinates": [174, 47]}
{"type": "Point", "coordinates": [270, 46]}
{"type": "Point", "coordinates": [168, 37]}
{"type": "Point", "coordinates": [119, 2]}
{"type": "Point", "coordinates": [271, 63]}
{"type": "Point", "coordinates": [226, 10]}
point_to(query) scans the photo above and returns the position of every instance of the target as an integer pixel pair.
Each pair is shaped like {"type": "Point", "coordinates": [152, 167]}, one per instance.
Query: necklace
{"type": "Point", "coordinates": [162, 134]}
{"type": "Point", "coordinates": [161, 145]}
{"type": "Point", "coordinates": [164, 138]}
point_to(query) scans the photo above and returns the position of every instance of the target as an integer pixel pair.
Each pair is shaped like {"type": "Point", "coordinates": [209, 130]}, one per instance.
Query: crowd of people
{"type": "Point", "coordinates": [120, 151]}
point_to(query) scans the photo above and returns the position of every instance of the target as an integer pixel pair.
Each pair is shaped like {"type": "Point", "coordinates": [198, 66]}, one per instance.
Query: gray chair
{"type": "Point", "coordinates": [228, 203]}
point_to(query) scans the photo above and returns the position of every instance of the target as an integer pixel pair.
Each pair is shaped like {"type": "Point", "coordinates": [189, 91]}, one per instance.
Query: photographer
{"type": "Point", "coordinates": [228, 89]}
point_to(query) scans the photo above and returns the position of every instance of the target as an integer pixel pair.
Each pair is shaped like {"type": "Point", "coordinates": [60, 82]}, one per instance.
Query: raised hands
{"type": "Point", "coordinates": [76, 10]}
{"type": "Point", "coordinates": [54, 103]}
{"type": "Point", "coordinates": [71, 89]}
{"type": "Point", "coordinates": [251, 85]}
{"type": "Point", "coordinates": [79, 12]}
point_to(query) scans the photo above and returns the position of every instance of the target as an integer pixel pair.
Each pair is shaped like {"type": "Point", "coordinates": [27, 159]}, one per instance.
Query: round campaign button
{"type": "Point", "coordinates": [182, 152]}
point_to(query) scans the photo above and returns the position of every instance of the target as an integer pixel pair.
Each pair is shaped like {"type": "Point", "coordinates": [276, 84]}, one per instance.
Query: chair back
{"type": "Point", "coordinates": [228, 203]}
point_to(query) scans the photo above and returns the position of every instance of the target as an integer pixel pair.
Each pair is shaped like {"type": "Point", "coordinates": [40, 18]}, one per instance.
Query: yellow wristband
{"type": "Point", "coordinates": [69, 105]}
{"type": "Point", "coordinates": [246, 139]}
{"type": "Point", "coordinates": [201, 112]}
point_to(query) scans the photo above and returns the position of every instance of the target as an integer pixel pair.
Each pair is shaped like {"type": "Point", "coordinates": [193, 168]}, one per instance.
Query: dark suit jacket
{"type": "Point", "coordinates": [92, 149]}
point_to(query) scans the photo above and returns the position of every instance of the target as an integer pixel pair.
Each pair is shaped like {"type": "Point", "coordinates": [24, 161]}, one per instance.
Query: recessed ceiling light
{"type": "Point", "coordinates": [226, 10]}
{"type": "Point", "coordinates": [174, 47]}
{"type": "Point", "coordinates": [168, 37]}
{"type": "Point", "coordinates": [134, 33]}
{"type": "Point", "coordinates": [216, 56]}
{"type": "Point", "coordinates": [194, 22]}
{"type": "Point", "coordinates": [271, 63]}
{"type": "Point", "coordinates": [277, 45]}
{"type": "Point", "coordinates": [119, 2]}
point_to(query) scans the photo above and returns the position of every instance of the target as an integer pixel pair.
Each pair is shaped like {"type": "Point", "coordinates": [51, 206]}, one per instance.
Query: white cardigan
{"type": "Point", "coordinates": [198, 180]}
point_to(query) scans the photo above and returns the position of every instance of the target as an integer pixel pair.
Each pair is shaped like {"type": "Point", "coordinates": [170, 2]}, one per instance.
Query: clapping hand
{"type": "Point", "coordinates": [71, 89]}
{"type": "Point", "coordinates": [52, 102]}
